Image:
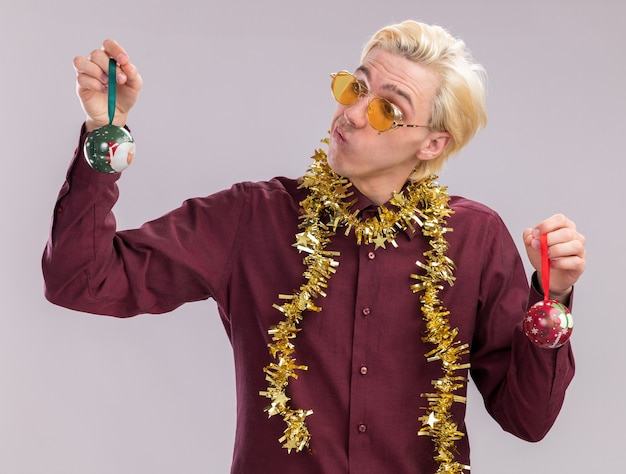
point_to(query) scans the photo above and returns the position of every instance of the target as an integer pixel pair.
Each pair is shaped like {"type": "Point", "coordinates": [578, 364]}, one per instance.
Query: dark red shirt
{"type": "Point", "coordinates": [365, 356]}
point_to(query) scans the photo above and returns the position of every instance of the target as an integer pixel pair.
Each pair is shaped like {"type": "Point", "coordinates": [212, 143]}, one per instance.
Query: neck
{"type": "Point", "coordinates": [378, 193]}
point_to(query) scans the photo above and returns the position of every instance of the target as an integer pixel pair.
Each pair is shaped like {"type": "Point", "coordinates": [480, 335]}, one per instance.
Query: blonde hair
{"type": "Point", "coordinates": [459, 104]}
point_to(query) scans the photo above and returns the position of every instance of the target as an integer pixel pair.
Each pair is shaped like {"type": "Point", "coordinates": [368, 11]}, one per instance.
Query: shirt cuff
{"type": "Point", "coordinates": [536, 293]}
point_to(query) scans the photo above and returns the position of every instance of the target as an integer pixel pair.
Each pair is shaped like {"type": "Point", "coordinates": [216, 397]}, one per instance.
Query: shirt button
{"type": "Point", "coordinates": [371, 255]}
{"type": "Point", "coordinates": [362, 427]}
{"type": "Point", "coordinates": [363, 370]}
{"type": "Point", "coordinates": [367, 311]}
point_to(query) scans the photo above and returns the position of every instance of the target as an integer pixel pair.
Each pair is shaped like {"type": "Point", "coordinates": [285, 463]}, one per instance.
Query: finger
{"type": "Point", "coordinates": [569, 248]}
{"type": "Point", "coordinates": [527, 236]}
{"type": "Point", "coordinates": [101, 58]}
{"type": "Point", "coordinates": [126, 72]}
{"type": "Point", "coordinates": [558, 228]}
{"type": "Point", "coordinates": [573, 264]}
{"type": "Point", "coordinates": [86, 66]}
{"type": "Point", "coordinates": [113, 50]}
{"type": "Point", "coordinates": [557, 221]}
{"type": "Point", "coordinates": [129, 75]}
{"type": "Point", "coordinates": [86, 82]}
{"type": "Point", "coordinates": [97, 63]}
{"type": "Point", "coordinates": [560, 235]}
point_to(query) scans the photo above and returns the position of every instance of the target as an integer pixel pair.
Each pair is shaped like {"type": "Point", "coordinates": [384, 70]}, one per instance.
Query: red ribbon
{"type": "Point", "coordinates": [545, 266]}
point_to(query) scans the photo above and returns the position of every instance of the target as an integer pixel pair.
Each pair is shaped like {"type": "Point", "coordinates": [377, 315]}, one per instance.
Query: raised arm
{"type": "Point", "coordinates": [88, 265]}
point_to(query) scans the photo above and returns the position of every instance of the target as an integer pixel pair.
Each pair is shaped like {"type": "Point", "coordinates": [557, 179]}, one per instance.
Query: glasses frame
{"type": "Point", "coordinates": [363, 91]}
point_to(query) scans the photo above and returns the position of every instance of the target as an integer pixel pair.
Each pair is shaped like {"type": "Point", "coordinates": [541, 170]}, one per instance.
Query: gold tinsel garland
{"type": "Point", "coordinates": [327, 209]}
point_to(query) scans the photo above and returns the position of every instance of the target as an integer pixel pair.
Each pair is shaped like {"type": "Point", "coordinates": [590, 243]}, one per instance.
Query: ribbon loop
{"type": "Point", "coordinates": [112, 88]}
{"type": "Point", "coordinates": [545, 266]}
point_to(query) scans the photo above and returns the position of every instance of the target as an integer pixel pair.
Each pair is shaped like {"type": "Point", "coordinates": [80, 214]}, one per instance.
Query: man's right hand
{"type": "Point", "coordinates": [92, 84]}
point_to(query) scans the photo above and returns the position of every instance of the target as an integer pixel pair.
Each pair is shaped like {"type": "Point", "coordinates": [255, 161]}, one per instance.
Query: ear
{"type": "Point", "coordinates": [433, 146]}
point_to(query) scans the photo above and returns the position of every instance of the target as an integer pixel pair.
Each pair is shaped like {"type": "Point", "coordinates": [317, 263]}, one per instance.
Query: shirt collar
{"type": "Point", "coordinates": [367, 208]}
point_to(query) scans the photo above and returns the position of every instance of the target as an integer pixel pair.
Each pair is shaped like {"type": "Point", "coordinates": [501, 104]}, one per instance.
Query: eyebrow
{"type": "Point", "coordinates": [387, 87]}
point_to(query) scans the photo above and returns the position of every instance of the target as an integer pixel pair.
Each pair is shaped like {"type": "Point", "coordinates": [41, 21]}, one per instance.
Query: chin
{"type": "Point", "coordinates": [335, 164]}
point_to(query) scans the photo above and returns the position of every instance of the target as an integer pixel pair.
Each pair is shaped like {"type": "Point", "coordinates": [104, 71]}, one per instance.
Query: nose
{"type": "Point", "coordinates": [356, 114]}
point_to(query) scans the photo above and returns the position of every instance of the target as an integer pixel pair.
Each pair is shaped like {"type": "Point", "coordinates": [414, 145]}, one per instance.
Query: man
{"type": "Point", "coordinates": [358, 355]}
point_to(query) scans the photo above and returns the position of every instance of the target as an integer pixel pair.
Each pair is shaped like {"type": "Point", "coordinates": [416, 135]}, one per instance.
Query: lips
{"type": "Point", "coordinates": [338, 135]}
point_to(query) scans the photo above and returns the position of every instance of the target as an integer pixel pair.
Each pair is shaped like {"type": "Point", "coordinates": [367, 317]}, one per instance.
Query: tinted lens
{"type": "Point", "coordinates": [381, 114]}
{"type": "Point", "coordinates": [345, 88]}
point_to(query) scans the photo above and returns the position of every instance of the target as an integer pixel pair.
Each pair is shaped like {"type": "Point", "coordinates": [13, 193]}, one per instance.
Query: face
{"type": "Point", "coordinates": [379, 163]}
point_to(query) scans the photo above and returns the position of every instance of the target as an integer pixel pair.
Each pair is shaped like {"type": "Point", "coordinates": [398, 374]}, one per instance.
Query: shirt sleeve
{"type": "Point", "coordinates": [522, 384]}
{"type": "Point", "coordinates": [89, 266]}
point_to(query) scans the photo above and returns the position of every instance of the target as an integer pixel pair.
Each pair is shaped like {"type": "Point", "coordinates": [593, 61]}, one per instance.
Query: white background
{"type": "Point", "coordinates": [240, 91]}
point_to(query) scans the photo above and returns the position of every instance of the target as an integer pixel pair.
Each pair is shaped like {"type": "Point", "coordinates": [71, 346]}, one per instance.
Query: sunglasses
{"type": "Point", "coordinates": [382, 115]}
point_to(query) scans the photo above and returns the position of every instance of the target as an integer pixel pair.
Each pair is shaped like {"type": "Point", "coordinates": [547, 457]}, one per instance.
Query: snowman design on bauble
{"type": "Point", "coordinates": [109, 149]}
